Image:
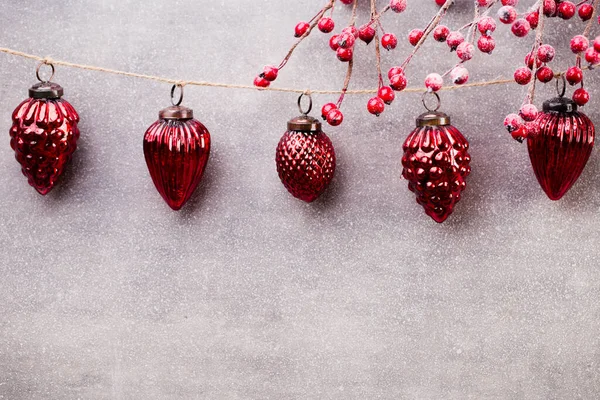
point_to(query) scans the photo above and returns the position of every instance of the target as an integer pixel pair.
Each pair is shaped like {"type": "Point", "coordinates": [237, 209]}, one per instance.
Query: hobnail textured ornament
{"type": "Point", "coordinates": [436, 164]}
{"type": "Point", "coordinates": [561, 146]}
{"type": "Point", "coordinates": [44, 135]}
{"type": "Point", "coordinates": [305, 158]}
{"type": "Point", "coordinates": [176, 148]}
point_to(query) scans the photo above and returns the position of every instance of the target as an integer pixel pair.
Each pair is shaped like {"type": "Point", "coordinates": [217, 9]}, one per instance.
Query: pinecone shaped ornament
{"type": "Point", "coordinates": [436, 164]}
{"type": "Point", "coordinates": [176, 148]}
{"type": "Point", "coordinates": [561, 145]}
{"type": "Point", "coordinates": [44, 133]}
{"type": "Point", "coordinates": [305, 157]}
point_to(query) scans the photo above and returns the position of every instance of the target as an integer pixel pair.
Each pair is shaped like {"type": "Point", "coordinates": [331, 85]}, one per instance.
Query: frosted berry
{"type": "Point", "coordinates": [344, 55]}
{"type": "Point", "coordinates": [579, 43]}
{"type": "Point", "coordinates": [414, 36]}
{"type": "Point", "coordinates": [512, 122]}
{"type": "Point", "coordinates": [566, 10]}
{"type": "Point", "coordinates": [375, 106]}
{"type": "Point", "coordinates": [459, 75]}
{"type": "Point", "coordinates": [346, 40]}
{"type": "Point", "coordinates": [386, 94]}
{"type": "Point", "coordinates": [507, 14]}
{"type": "Point", "coordinates": [395, 71]}
{"type": "Point", "coordinates": [546, 53]}
{"type": "Point", "coordinates": [581, 97]}
{"type": "Point", "coordinates": [544, 74]}
{"type": "Point", "coordinates": [549, 8]}
{"type": "Point", "coordinates": [574, 75]}
{"type": "Point", "coordinates": [533, 18]}
{"type": "Point", "coordinates": [366, 33]}
{"type": "Point", "coordinates": [486, 44]}
{"type": "Point", "coordinates": [486, 25]}
{"type": "Point", "coordinates": [523, 75]}
{"type": "Point", "coordinates": [454, 39]}
{"type": "Point", "coordinates": [335, 117]}
{"type": "Point", "coordinates": [440, 33]}
{"type": "Point", "coordinates": [434, 82]}
{"type": "Point", "coordinates": [270, 73]}
{"type": "Point", "coordinates": [398, 82]}
{"type": "Point", "coordinates": [597, 43]}
{"type": "Point", "coordinates": [528, 112]}
{"type": "Point", "coordinates": [389, 41]}
{"type": "Point", "coordinates": [398, 5]}
{"type": "Point", "coordinates": [592, 56]}
{"type": "Point", "coordinates": [326, 109]}
{"type": "Point", "coordinates": [464, 51]}
{"type": "Point", "coordinates": [586, 11]}
{"type": "Point", "coordinates": [261, 82]}
{"type": "Point", "coordinates": [521, 27]}
{"type": "Point", "coordinates": [326, 25]}
{"type": "Point", "coordinates": [333, 42]}
{"type": "Point", "coordinates": [301, 29]}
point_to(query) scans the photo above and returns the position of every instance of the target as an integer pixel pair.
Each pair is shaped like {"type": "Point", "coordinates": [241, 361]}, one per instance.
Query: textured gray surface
{"type": "Point", "coordinates": [248, 293]}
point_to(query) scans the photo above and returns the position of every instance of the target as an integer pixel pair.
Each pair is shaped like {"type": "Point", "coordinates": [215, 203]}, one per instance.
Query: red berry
{"type": "Point", "coordinates": [566, 10]}
{"type": "Point", "coordinates": [346, 40]}
{"type": "Point", "coordinates": [579, 43]}
{"type": "Point", "coordinates": [459, 75]}
{"type": "Point", "coordinates": [395, 71]}
{"type": "Point", "coordinates": [326, 25]}
{"type": "Point", "coordinates": [507, 14]}
{"type": "Point", "coordinates": [549, 8]}
{"type": "Point", "coordinates": [386, 94]}
{"type": "Point", "coordinates": [523, 75]}
{"type": "Point", "coordinates": [586, 11]}
{"type": "Point", "coordinates": [520, 27]}
{"type": "Point", "coordinates": [581, 97]}
{"type": "Point", "coordinates": [529, 60]}
{"type": "Point", "coordinates": [512, 122]}
{"type": "Point", "coordinates": [301, 29]}
{"type": "Point", "coordinates": [574, 75]}
{"type": "Point", "coordinates": [486, 44]}
{"type": "Point", "coordinates": [351, 30]}
{"type": "Point", "coordinates": [533, 18]}
{"type": "Point", "coordinates": [544, 74]}
{"type": "Point", "coordinates": [597, 43]}
{"type": "Point", "coordinates": [326, 109]}
{"type": "Point", "coordinates": [528, 112]}
{"type": "Point", "coordinates": [333, 42]}
{"type": "Point", "coordinates": [344, 55]}
{"type": "Point", "coordinates": [592, 56]}
{"type": "Point", "coordinates": [347, 1]}
{"type": "Point", "coordinates": [269, 73]}
{"type": "Point", "coordinates": [398, 5]}
{"type": "Point", "coordinates": [434, 82]}
{"type": "Point", "coordinates": [335, 117]}
{"type": "Point", "coordinates": [509, 2]}
{"type": "Point", "coordinates": [366, 33]}
{"type": "Point", "coordinates": [441, 33]}
{"type": "Point", "coordinates": [389, 41]}
{"type": "Point", "coordinates": [375, 106]}
{"type": "Point", "coordinates": [261, 82]}
{"type": "Point", "coordinates": [486, 25]}
{"type": "Point", "coordinates": [519, 134]}
{"type": "Point", "coordinates": [464, 51]}
{"type": "Point", "coordinates": [440, 2]}
{"type": "Point", "coordinates": [545, 53]}
{"type": "Point", "coordinates": [454, 39]}
{"type": "Point", "coordinates": [414, 36]}
{"type": "Point", "coordinates": [398, 82]}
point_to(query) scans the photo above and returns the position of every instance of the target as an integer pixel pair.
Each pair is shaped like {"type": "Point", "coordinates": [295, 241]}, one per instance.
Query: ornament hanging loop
{"type": "Point", "coordinates": [561, 79]}
{"type": "Point", "coordinates": [437, 106]}
{"type": "Point", "coordinates": [37, 71]}
{"type": "Point", "coordinates": [310, 103]}
{"type": "Point", "coordinates": [180, 86]}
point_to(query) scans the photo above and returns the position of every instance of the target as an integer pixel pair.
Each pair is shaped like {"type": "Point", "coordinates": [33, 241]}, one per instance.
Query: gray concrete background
{"type": "Point", "coordinates": [247, 293]}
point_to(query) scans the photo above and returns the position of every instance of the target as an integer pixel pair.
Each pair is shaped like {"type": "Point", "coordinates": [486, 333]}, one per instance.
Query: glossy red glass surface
{"type": "Point", "coordinates": [436, 164]}
{"type": "Point", "coordinates": [44, 136]}
{"type": "Point", "coordinates": [305, 163]}
{"type": "Point", "coordinates": [560, 149]}
{"type": "Point", "coordinates": [176, 153]}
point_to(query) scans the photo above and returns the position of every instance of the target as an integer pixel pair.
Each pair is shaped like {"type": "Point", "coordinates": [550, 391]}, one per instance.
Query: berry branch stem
{"type": "Point", "coordinates": [538, 41]}
{"type": "Point", "coordinates": [346, 83]}
{"type": "Point", "coordinates": [377, 48]}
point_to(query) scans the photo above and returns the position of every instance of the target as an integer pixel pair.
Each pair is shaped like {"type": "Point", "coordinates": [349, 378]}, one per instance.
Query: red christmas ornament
{"type": "Point", "coordinates": [305, 157]}
{"type": "Point", "coordinates": [176, 148]}
{"type": "Point", "coordinates": [436, 163]}
{"type": "Point", "coordinates": [44, 133]}
{"type": "Point", "coordinates": [560, 146]}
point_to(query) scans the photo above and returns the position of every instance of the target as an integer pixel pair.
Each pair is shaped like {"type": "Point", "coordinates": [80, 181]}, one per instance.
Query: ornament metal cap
{"type": "Point", "coordinates": [304, 123]}
{"type": "Point", "coordinates": [176, 112]}
{"type": "Point", "coordinates": [560, 104]}
{"type": "Point", "coordinates": [46, 90]}
{"type": "Point", "coordinates": [432, 117]}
